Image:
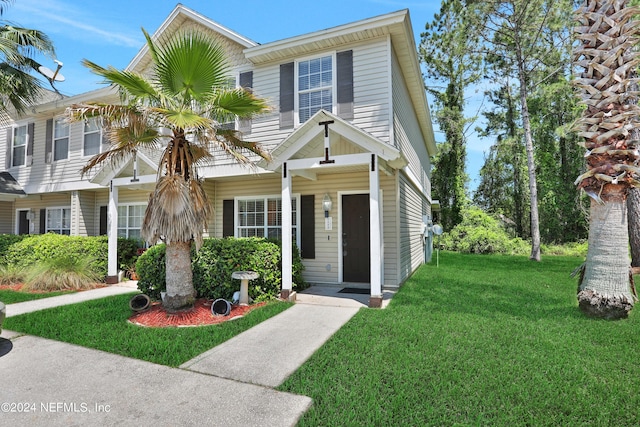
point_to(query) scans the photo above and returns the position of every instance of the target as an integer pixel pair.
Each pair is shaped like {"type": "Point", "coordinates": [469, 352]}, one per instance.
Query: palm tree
{"type": "Point", "coordinates": [18, 88]}
{"type": "Point", "coordinates": [188, 97]}
{"type": "Point", "coordinates": [607, 34]}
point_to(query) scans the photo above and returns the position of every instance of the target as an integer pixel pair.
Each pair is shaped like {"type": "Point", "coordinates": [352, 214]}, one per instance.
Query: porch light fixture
{"type": "Point", "coordinates": [326, 205]}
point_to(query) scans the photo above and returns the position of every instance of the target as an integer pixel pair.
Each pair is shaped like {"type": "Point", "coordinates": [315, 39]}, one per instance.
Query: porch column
{"type": "Point", "coordinates": [112, 232]}
{"type": "Point", "coordinates": [287, 263]}
{"type": "Point", "coordinates": [375, 300]}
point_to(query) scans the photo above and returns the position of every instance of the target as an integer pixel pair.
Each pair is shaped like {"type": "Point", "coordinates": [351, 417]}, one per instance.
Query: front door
{"type": "Point", "coordinates": [356, 250]}
{"type": "Point", "coordinates": [23, 222]}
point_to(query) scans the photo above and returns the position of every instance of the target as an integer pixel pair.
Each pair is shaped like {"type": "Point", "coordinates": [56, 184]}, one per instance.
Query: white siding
{"type": "Point", "coordinates": [7, 218]}
{"type": "Point", "coordinates": [407, 135]}
{"type": "Point", "coordinates": [412, 207]}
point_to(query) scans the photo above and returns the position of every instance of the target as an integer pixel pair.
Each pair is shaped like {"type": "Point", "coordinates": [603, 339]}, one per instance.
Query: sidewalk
{"type": "Point", "coordinates": [228, 385]}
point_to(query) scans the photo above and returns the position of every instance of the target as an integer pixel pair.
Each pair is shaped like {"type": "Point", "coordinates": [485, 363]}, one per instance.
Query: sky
{"type": "Point", "coordinates": [109, 32]}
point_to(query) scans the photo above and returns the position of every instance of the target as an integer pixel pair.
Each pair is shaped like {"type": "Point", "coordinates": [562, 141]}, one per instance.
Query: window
{"type": "Point", "coordinates": [19, 153]}
{"type": "Point", "coordinates": [59, 220]}
{"type": "Point", "coordinates": [262, 217]}
{"type": "Point", "coordinates": [60, 139]}
{"type": "Point", "coordinates": [92, 137]}
{"type": "Point", "coordinates": [130, 220]}
{"type": "Point", "coordinates": [315, 86]}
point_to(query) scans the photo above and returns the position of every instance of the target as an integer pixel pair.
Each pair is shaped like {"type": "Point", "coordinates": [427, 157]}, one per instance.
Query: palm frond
{"type": "Point", "coordinates": [235, 102]}
{"type": "Point", "coordinates": [132, 84]}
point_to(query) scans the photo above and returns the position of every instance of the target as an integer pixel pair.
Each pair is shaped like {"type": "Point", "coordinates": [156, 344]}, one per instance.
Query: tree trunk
{"type": "Point", "coordinates": [633, 212]}
{"type": "Point", "coordinates": [531, 167]}
{"type": "Point", "coordinates": [605, 290]}
{"type": "Point", "coordinates": [180, 292]}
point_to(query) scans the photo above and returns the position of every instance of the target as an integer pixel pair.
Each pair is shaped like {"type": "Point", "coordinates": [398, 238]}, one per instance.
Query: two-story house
{"type": "Point", "coordinates": [349, 132]}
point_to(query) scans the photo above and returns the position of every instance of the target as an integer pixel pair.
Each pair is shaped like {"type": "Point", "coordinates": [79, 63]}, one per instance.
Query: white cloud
{"type": "Point", "coordinates": [61, 17]}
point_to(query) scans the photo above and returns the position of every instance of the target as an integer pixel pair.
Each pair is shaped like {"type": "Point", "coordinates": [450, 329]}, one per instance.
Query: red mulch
{"type": "Point", "coordinates": [200, 315]}
{"type": "Point", "coordinates": [18, 288]}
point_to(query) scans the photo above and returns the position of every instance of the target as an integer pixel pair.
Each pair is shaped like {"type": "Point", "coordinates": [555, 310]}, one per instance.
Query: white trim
{"type": "Point", "coordinates": [53, 140]}
{"type": "Point", "coordinates": [112, 232]}
{"type": "Point", "coordinates": [17, 223]}
{"type": "Point", "coordinates": [416, 182]}
{"type": "Point", "coordinates": [53, 187]}
{"type": "Point", "coordinates": [340, 258]}
{"type": "Point", "coordinates": [315, 163]}
{"type": "Point", "coordinates": [392, 111]}
{"type": "Point", "coordinates": [287, 252]}
{"type": "Point", "coordinates": [128, 205]}
{"type": "Point", "coordinates": [46, 218]}
{"type": "Point", "coordinates": [296, 89]}
{"type": "Point", "coordinates": [85, 133]}
{"type": "Point", "coordinates": [265, 197]}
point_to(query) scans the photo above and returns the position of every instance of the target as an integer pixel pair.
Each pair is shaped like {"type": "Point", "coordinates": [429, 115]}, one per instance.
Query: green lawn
{"type": "Point", "coordinates": [478, 341]}
{"type": "Point", "coordinates": [12, 297]}
{"type": "Point", "coordinates": [102, 324]}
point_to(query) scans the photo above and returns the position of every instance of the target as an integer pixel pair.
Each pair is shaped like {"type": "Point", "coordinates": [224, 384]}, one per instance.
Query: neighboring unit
{"type": "Point", "coordinates": [349, 132]}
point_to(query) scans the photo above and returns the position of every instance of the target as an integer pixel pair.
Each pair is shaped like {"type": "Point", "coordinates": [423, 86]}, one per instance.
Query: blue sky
{"type": "Point", "coordinates": [108, 33]}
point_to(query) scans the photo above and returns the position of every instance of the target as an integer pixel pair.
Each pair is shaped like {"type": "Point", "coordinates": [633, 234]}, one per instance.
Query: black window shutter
{"type": "Point", "coordinates": [307, 227]}
{"type": "Point", "coordinates": [344, 78]}
{"type": "Point", "coordinates": [48, 143]}
{"type": "Point", "coordinates": [7, 160]}
{"type": "Point", "coordinates": [103, 220]}
{"type": "Point", "coordinates": [246, 81]}
{"type": "Point", "coordinates": [287, 95]}
{"type": "Point", "coordinates": [30, 130]}
{"type": "Point", "coordinates": [227, 218]}
{"type": "Point", "coordinates": [43, 221]}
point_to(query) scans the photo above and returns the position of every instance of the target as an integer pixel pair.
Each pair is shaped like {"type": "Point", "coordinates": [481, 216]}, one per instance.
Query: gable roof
{"type": "Point", "coordinates": [175, 20]}
{"type": "Point", "coordinates": [311, 132]}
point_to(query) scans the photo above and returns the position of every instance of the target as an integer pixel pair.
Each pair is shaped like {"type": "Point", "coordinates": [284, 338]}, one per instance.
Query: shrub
{"type": "Point", "coordinates": [7, 240]}
{"type": "Point", "coordinates": [479, 233]}
{"type": "Point", "coordinates": [62, 273]}
{"type": "Point", "coordinates": [216, 261]}
{"type": "Point", "coordinates": [30, 250]}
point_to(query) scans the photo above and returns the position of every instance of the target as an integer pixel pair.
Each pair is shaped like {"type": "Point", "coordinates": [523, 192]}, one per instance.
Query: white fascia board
{"type": "Point", "coordinates": [416, 182]}
{"type": "Point", "coordinates": [93, 96]}
{"type": "Point", "coordinates": [200, 19]}
{"type": "Point", "coordinates": [54, 187]}
{"type": "Point", "coordinates": [254, 54]}
{"type": "Point", "coordinates": [316, 163]}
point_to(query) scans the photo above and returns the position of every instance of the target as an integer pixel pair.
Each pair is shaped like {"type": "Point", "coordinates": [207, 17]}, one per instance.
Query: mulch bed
{"type": "Point", "coordinates": [200, 315]}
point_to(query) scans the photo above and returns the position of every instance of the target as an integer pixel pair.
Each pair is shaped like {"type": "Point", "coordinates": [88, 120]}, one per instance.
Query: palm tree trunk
{"type": "Point", "coordinates": [180, 292]}
{"type": "Point", "coordinates": [633, 212]}
{"type": "Point", "coordinates": [605, 290]}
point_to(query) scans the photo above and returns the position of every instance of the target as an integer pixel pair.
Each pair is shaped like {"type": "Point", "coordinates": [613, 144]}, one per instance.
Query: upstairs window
{"type": "Point", "coordinates": [315, 86]}
{"type": "Point", "coordinates": [60, 139]}
{"type": "Point", "coordinates": [92, 137]}
{"type": "Point", "coordinates": [19, 149]}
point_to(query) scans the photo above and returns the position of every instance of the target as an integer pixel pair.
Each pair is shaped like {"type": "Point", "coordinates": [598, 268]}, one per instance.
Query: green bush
{"type": "Point", "coordinates": [214, 263]}
{"type": "Point", "coordinates": [7, 240]}
{"type": "Point", "coordinates": [479, 233]}
{"type": "Point", "coordinates": [30, 250]}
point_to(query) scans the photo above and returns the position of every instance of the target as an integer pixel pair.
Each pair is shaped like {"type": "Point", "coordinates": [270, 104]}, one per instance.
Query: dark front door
{"type": "Point", "coordinates": [23, 222]}
{"type": "Point", "coordinates": [356, 255]}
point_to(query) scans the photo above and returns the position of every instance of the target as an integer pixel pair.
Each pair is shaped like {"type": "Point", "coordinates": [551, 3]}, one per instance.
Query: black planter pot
{"type": "Point", "coordinates": [139, 303]}
{"type": "Point", "coordinates": [221, 307]}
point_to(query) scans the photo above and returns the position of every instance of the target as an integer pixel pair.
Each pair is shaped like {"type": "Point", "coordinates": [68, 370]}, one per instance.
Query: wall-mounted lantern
{"type": "Point", "coordinates": [326, 205]}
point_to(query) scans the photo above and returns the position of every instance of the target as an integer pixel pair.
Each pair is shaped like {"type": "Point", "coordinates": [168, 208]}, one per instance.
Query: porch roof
{"type": "Point", "coordinates": [311, 134]}
{"type": "Point", "coordinates": [10, 189]}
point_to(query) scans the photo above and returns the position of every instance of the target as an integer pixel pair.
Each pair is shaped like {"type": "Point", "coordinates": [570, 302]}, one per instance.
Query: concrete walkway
{"type": "Point", "coordinates": [228, 385]}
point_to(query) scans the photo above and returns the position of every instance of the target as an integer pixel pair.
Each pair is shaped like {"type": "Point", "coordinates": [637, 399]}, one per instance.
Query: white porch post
{"type": "Point", "coordinates": [112, 227]}
{"type": "Point", "coordinates": [375, 300]}
{"type": "Point", "coordinates": [287, 257]}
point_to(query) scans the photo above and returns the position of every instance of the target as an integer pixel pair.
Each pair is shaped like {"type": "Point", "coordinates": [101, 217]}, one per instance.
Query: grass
{"type": "Point", "coordinates": [479, 340]}
{"type": "Point", "coordinates": [102, 324]}
{"type": "Point", "coordinates": [8, 296]}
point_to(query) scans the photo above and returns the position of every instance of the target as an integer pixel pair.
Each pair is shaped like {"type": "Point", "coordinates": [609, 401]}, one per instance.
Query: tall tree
{"type": "Point", "coordinates": [448, 51]}
{"type": "Point", "coordinates": [187, 96]}
{"type": "Point", "coordinates": [503, 179]}
{"type": "Point", "coordinates": [521, 36]}
{"type": "Point", "coordinates": [18, 46]}
{"type": "Point", "coordinates": [607, 34]}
